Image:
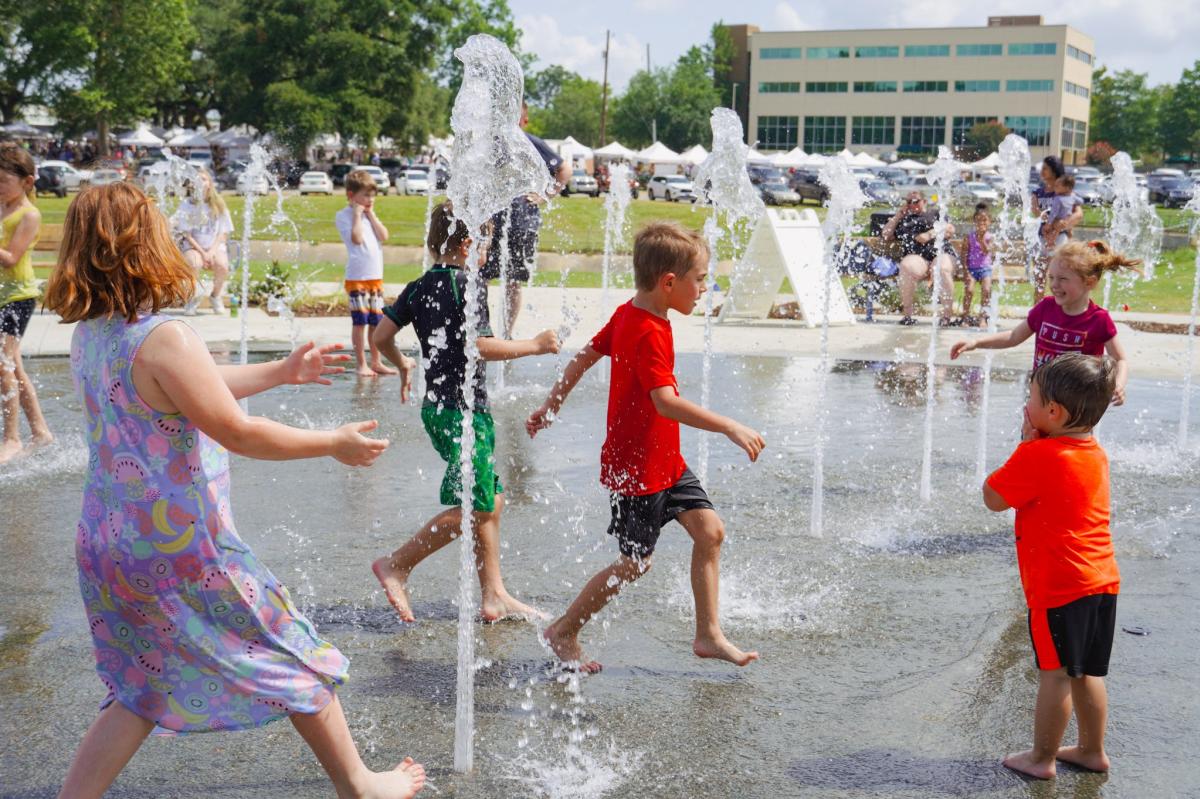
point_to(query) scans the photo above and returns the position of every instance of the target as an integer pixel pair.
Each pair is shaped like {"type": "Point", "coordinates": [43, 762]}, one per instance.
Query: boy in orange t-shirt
{"type": "Point", "coordinates": [1058, 482]}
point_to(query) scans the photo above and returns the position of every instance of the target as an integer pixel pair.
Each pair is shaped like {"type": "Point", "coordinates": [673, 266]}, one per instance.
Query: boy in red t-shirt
{"type": "Point", "coordinates": [1058, 482]}
{"type": "Point", "coordinates": [640, 461]}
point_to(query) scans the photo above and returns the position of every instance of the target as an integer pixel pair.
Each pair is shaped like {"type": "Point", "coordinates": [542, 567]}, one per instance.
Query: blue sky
{"type": "Point", "coordinates": [1160, 37]}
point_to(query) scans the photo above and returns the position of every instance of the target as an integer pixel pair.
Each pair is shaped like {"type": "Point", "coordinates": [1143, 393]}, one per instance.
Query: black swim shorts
{"type": "Point", "coordinates": [1077, 637]}
{"type": "Point", "coordinates": [637, 520]}
{"type": "Point", "coordinates": [15, 316]}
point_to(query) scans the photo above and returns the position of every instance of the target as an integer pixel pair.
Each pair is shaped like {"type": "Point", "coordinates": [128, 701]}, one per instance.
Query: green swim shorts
{"type": "Point", "coordinates": [444, 426]}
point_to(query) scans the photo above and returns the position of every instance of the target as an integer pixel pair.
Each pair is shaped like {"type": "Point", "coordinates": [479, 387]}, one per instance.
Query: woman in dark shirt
{"type": "Point", "coordinates": [913, 229]}
{"type": "Point", "coordinates": [1052, 170]}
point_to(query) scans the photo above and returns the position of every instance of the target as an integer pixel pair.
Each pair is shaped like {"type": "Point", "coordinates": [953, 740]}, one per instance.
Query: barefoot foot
{"type": "Point", "coordinates": [566, 648]}
{"type": "Point", "coordinates": [721, 649]}
{"type": "Point", "coordinates": [506, 607]}
{"type": "Point", "coordinates": [403, 782]}
{"type": "Point", "coordinates": [379, 368]}
{"type": "Point", "coordinates": [41, 440]}
{"type": "Point", "coordinates": [395, 585]}
{"type": "Point", "coordinates": [1025, 763]}
{"type": "Point", "coordinates": [10, 450]}
{"type": "Point", "coordinates": [365, 371]}
{"type": "Point", "coordinates": [1089, 761]}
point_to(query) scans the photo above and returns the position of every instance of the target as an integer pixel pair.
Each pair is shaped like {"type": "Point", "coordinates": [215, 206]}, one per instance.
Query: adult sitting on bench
{"type": "Point", "coordinates": [912, 227]}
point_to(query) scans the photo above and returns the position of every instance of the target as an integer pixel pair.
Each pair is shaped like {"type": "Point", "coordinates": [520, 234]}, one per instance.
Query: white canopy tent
{"type": "Point", "coordinates": [573, 152]}
{"type": "Point", "coordinates": [142, 137]}
{"type": "Point", "coordinates": [615, 150]}
{"type": "Point", "coordinates": [909, 165]}
{"type": "Point", "coordinates": [753, 156]}
{"type": "Point", "coordinates": [659, 153]}
{"type": "Point", "coordinates": [188, 141]}
{"type": "Point", "coordinates": [846, 156]}
{"type": "Point", "coordinates": [694, 155]}
{"type": "Point", "coordinates": [793, 158]}
{"type": "Point", "coordinates": [990, 162]}
{"type": "Point", "coordinates": [814, 160]}
{"type": "Point", "coordinates": [867, 160]}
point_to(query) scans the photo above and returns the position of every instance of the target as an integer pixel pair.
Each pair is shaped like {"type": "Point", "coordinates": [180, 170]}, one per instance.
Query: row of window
{"type": "Point", "coordinates": [917, 134]}
{"type": "Point", "coordinates": [1074, 134]}
{"type": "Point", "coordinates": [878, 86]}
{"type": "Point", "coordinates": [921, 51]}
{"type": "Point", "coordinates": [1076, 89]}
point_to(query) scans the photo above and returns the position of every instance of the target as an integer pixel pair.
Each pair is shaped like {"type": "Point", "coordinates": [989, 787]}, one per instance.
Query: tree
{"type": "Point", "coordinates": [721, 53]}
{"type": "Point", "coordinates": [478, 16]}
{"type": "Point", "coordinates": [39, 43]}
{"type": "Point", "coordinates": [575, 111]}
{"type": "Point", "coordinates": [984, 138]}
{"type": "Point", "coordinates": [1179, 119]}
{"type": "Point", "coordinates": [542, 87]}
{"type": "Point", "coordinates": [135, 52]}
{"type": "Point", "coordinates": [187, 103]}
{"type": "Point", "coordinates": [638, 112]}
{"type": "Point", "coordinates": [1124, 111]}
{"type": "Point", "coordinates": [689, 99]}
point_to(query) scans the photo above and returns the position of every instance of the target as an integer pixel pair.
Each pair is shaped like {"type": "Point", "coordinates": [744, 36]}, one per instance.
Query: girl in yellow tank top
{"type": "Point", "coordinates": [19, 224]}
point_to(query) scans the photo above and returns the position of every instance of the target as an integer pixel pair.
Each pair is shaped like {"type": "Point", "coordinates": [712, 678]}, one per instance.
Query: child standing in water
{"type": "Point", "coordinates": [20, 220]}
{"type": "Point", "coordinates": [1058, 482]}
{"type": "Point", "coordinates": [977, 255]}
{"type": "Point", "coordinates": [191, 632]}
{"type": "Point", "coordinates": [640, 462]}
{"type": "Point", "coordinates": [1068, 320]}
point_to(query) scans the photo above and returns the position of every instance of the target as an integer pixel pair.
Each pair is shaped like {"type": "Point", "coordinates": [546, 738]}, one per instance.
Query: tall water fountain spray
{"type": "Point", "coordinates": [1015, 218]}
{"type": "Point", "coordinates": [493, 163]}
{"type": "Point", "coordinates": [1134, 227]}
{"type": "Point", "coordinates": [1189, 365]}
{"type": "Point", "coordinates": [845, 197]}
{"type": "Point", "coordinates": [256, 168]}
{"type": "Point", "coordinates": [728, 189]}
{"type": "Point", "coordinates": [943, 175]}
{"type": "Point", "coordinates": [616, 208]}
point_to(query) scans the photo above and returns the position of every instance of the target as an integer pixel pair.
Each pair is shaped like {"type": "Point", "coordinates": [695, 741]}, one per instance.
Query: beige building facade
{"type": "Point", "coordinates": [907, 91]}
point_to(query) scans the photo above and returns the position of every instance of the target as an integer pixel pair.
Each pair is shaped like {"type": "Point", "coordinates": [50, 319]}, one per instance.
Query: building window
{"type": "Point", "coordinates": [828, 52]}
{"type": "Point", "coordinates": [979, 49]}
{"type": "Point", "coordinates": [778, 133]}
{"type": "Point", "coordinates": [922, 134]}
{"type": "Point", "coordinates": [1030, 86]}
{"type": "Point", "coordinates": [925, 50]}
{"type": "Point", "coordinates": [925, 85]}
{"type": "Point", "coordinates": [780, 52]}
{"type": "Point", "coordinates": [779, 88]}
{"type": "Point", "coordinates": [1076, 89]}
{"type": "Point", "coordinates": [1033, 48]}
{"type": "Point", "coordinates": [869, 86]}
{"type": "Point", "coordinates": [1036, 130]}
{"type": "Point", "coordinates": [1074, 134]}
{"type": "Point", "coordinates": [1075, 52]}
{"type": "Point", "coordinates": [876, 52]}
{"type": "Point", "coordinates": [826, 87]}
{"type": "Point", "coordinates": [976, 85]}
{"type": "Point", "coordinates": [824, 134]}
{"type": "Point", "coordinates": [873, 130]}
{"type": "Point", "coordinates": [961, 125]}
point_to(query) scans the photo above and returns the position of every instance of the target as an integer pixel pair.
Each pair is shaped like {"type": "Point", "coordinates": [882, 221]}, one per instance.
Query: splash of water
{"type": "Point", "coordinates": [726, 184]}
{"type": "Point", "coordinates": [944, 173]}
{"type": "Point", "coordinates": [1135, 228]}
{"type": "Point", "coordinates": [616, 207]}
{"type": "Point", "coordinates": [493, 163]}
{"type": "Point", "coordinates": [1190, 362]}
{"type": "Point", "coordinates": [845, 197]}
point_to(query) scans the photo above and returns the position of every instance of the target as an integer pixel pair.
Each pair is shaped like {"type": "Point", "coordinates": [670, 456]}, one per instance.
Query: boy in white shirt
{"type": "Point", "coordinates": [362, 233]}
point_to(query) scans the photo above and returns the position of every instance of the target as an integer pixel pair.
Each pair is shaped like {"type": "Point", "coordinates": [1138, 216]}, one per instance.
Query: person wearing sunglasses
{"type": "Point", "coordinates": [912, 227]}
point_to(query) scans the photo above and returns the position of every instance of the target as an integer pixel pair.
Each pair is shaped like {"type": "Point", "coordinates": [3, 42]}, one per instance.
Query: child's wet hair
{"type": "Point", "coordinates": [662, 247]}
{"type": "Point", "coordinates": [360, 180]}
{"type": "Point", "coordinates": [982, 209]}
{"type": "Point", "coordinates": [17, 161]}
{"type": "Point", "coordinates": [1092, 259]}
{"type": "Point", "coordinates": [447, 233]}
{"type": "Point", "coordinates": [1066, 181]}
{"type": "Point", "coordinates": [1082, 384]}
{"type": "Point", "coordinates": [117, 258]}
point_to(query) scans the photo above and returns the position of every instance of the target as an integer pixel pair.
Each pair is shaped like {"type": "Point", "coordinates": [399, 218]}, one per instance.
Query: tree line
{"type": "Point", "coordinates": [1154, 123]}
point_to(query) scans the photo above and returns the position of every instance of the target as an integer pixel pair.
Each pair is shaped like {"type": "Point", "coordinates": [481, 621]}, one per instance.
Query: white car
{"type": "Point", "coordinates": [976, 192]}
{"type": "Point", "coordinates": [315, 183]}
{"type": "Point", "coordinates": [147, 173]}
{"type": "Point", "coordinates": [412, 181]}
{"type": "Point", "coordinates": [71, 176]}
{"type": "Point", "coordinates": [201, 158]}
{"type": "Point", "coordinates": [581, 182]}
{"type": "Point", "coordinates": [382, 181]}
{"type": "Point", "coordinates": [671, 187]}
{"type": "Point", "coordinates": [259, 186]}
{"type": "Point", "coordinates": [103, 177]}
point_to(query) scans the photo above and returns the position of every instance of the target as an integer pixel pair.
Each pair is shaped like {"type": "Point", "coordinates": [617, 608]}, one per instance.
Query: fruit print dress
{"type": "Point", "coordinates": [190, 630]}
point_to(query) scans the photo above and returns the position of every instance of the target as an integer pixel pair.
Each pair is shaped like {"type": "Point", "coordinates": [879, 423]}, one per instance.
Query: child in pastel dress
{"type": "Point", "coordinates": [191, 632]}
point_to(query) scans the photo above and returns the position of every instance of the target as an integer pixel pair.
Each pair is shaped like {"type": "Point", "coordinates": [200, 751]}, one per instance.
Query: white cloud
{"type": "Point", "coordinates": [542, 36]}
{"type": "Point", "coordinates": [787, 18]}
{"type": "Point", "coordinates": [657, 6]}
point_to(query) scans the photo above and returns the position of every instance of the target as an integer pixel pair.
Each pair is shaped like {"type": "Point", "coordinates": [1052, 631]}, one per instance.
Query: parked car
{"type": "Point", "coordinates": [879, 192]}
{"type": "Point", "coordinates": [1171, 192]}
{"type": "Point", "coordinates": [975, 192]}
{"type": "Point", "coordinates": [808, 187]}
{"type": "Point", "coordinates": [581, 182]}
{"type": "Point", "coordinates": [338, 172]}
{"type": "Point", "coordinates": [50, 180]}
{"type": "Point", "coordinates": [670, 187]}
{"type": "Point", "coordinates": [201, 158]}
{"type": "Point", "coordinates": [394, 167]}
{"type": "Point", "coordinates": [1089, 191]}
{"type": "Point", "coordinates": [604, 179]}
{"type": "Point", "coordinates": [1086, 172]}
{"type": "Point", "coordinates": [1193, 175]}
{"type": "Point", "coordinates": [775, 191]}
{"type": "Point", "coordinates": [315, 183]}
{"type": "Point", "coordinates": [382, 182]}
{"type": "Point", "coordinates": [918, 183]}
{"type": "Point", "coordinates": [758, 173]}
{"type": "Point", "coordinates": [103, 177]}
{"type": "Point", "coordinates": [892, 175]}
{"type": "Point", "coordinates": [257, 185]}
{"type": "Point", "coordinates": [413, 181]}
{"type": "Point", "coordinates": [147, 172]}
{"type": "Point", "coordinates": [72, 177]}
{"type": "Point", "coordinates": [228, 176]}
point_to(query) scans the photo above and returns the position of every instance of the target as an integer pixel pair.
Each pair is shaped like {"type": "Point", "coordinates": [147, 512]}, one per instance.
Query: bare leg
{"type": "Point", "coordinates": [1091, 711]}
{"type": "Point", "coordinates": [393, 571]}
{"type": "Point", "coordinates": [912, 269]}
{"type": "Point", "coordinates": [707, 532]}
{"type": "Point", "coordinates": [358, 337]}
{"type": "Point", "coordinates": [10, 400]}
{"type": "Point", "coordinates": [1050, 718]}
{"type": "Point", "coordinates": [512, 305]}
{"type": "Point", "coordinates": [968, 294]}
{"type": "Point", "coordinates": [220, 270]}
{"type": "Point", "coordinates": [327, 734]}
{"type": "Point", "coordinates": [985, 297]}
{"type": "Point", "coordinates": [195, 261]}
{"type": "Point", "coordinates": [497, 603]}
{"type": "Point", "coordinates": [563, 633]}
{"type": "Point", "coordinates": [945, 274]}
{"type": "Point", "coordinates": [109, 744]}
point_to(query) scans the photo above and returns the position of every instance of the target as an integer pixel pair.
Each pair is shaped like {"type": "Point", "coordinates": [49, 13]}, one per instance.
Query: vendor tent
{"type": "Point", "coordinates": [695, 154]}
{"type": "Point", "coordinates": [755, 157]}
{"type": "Point", "coordinates": [989, 162]}
{"type": "Point", "coordinates": [188, 141]}
{"type": "Point", "coordinates": [142, 137]}
{"type": "Point", "coordinates": [909, 165]}
{"type": "Point", "coordinates": [792, 159]}
{"type": "Point", "coordinates": [659, 153]}
{"type": "Point", "coordinates": [615, 149]}
{"type": "Point", "coordinates": [866, 159]}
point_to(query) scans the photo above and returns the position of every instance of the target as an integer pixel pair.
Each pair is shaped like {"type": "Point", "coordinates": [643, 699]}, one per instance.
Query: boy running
{"type": "Point", "coordinates": [640, 461]}
{"type": "Point", "coordinates": [1058, 481]}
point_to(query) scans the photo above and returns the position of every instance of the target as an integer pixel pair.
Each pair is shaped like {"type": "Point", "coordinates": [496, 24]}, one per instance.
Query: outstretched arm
{"type": "Point", "coordinates": [492, 348]}
{"type": "Point", "coordinates": [543, 417]}
{"type": "Point", "coordinates": [1117, 353]}
{"type": "Point", "coordinates": [308, 363]}
{"type": "Point", "coordinates": [671, 405]}
{"type": "Point", "coordinates": [383, 338]}
{"type": "Point", "coordinates": [993, 341]}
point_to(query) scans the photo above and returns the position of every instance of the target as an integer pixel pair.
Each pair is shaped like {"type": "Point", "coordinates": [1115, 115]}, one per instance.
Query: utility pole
{"type": "Point", "coordinates": [653, 119]}
{"type": "Point", "coordinates": [604, 93]}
